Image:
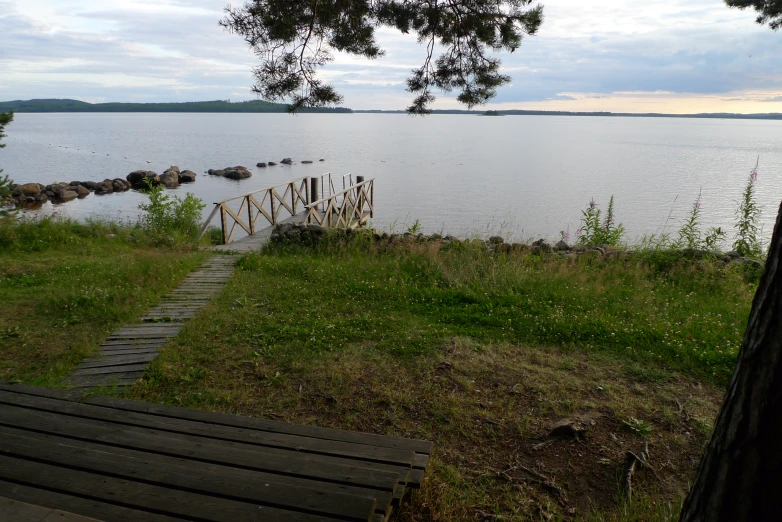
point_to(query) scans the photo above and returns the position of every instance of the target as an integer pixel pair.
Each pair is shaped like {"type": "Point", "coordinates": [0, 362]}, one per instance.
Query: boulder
{"type": "Point", "coordinates": [81, 191]}
{"type": "Point", "coordinates": [287, 161]}
{"type": "Point", "coordinates": [261, 165]}
{"type": "Point", "coordinates": [28, 189]}
{"type": "Point", "coordinates": [139, 178]}
{"type": "Point", "coordinates": [322, 159]}
{"type": "Point", "coordinates": [213, 172]}
{"type": "Point", "coordinates": [91, 185]}
{"type": "Point", "coordinates": [172, 168]}
{"type": "Point", "coordinates": [237, 173]}
{"type": "Point", "coordinates": [306, 162]}
{"type": "Point", "coordinates": [119, 182]}
{"type": "Point", "coordinates": [105, 188]}
{"type": "Point", "coordinates": [496, 240]}
{"type": "Point", "coordinates": [187, 176]}
{"type": "Point", "coordinates": [41, 198]}
{"type": "Point", "coordinates": [170, 178]}
{"type": "Point", "coordinates": [65, 195]}
{"type": "Point", "coordinates": [75, 183]}
{"type": "Point", "coordinates": [271, 164]}
{"type": "Point", "coordinates": [561, 246]}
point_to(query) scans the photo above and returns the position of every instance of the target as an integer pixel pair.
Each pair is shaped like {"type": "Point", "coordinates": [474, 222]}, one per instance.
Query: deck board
{"type": "Point", "coordinates": [113, 459]}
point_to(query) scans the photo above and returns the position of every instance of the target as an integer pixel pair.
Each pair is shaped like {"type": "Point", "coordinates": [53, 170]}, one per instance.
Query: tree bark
{"type": "Point", "coordinates": [740, 475]}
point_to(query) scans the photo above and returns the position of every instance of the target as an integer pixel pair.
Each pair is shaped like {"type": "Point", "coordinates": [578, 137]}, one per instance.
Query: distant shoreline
{"type": "Point", "coordinates": [262, 107]}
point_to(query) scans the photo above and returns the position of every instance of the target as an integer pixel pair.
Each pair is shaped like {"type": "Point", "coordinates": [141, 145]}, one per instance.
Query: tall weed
{"type": "Point", "coordinates": [170, 219]}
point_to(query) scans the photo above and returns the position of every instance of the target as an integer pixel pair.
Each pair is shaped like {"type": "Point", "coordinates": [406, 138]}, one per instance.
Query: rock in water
{"type": "Point", "coordinates": [29, 189]}
{"type": "Point", "coordinates": [271, 164]}
{"type": "Point", "coordinates": [65, 195]}
{"type": "Point", "coordinates": [81, 191]}
{"type": "Point", "coordinates": [306, 162]}
{"type": "Point", "coordinates": [261, 165]}
{"type": "Point", "coordinates": [138, 178]}
{"type": "Point", "coordinates": [215, 172]}
{"type": "Point", "coordinates": [237, 173]}
{"type": "Point", "coordinates": [170, 178]}
{"type": "Point", "coordinates": [287, 161]}
{"type": "Point", "coordinates": [187, 176]}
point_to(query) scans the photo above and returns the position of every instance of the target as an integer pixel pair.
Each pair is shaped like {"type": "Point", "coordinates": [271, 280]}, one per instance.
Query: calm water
{"type": "Point", "coordinates": [522, 176]}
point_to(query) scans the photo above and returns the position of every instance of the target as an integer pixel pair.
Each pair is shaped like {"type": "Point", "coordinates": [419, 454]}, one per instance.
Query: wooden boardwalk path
{"type": "Point", "coordinates": [118, 460]}
{"type": "Point", "coordinates": [126, 353]}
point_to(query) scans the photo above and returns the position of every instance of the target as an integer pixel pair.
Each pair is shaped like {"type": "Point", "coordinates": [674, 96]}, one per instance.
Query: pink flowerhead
{"type": "Point", "coordinates": [753, 175]}
{"type": "Point", "coordinates": [579, 232]}
{"type": "Point", "coordinates": [592, 204]}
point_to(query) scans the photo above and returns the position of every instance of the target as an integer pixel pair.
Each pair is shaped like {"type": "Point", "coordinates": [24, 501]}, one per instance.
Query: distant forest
{"type": "Point", "coordinates": [207, 106]}
{"type": "Point", "coordinates": [258, 106]}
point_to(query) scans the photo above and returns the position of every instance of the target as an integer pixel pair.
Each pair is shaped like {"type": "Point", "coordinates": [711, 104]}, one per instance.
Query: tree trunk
{"type": "Point", "coordinates": [740, 476]}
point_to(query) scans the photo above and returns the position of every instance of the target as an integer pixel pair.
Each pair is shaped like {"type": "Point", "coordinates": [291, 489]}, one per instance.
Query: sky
{"type": "Point", "coordinates": [671, 56]}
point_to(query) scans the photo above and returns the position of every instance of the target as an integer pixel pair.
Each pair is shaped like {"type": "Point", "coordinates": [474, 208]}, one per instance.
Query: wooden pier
{"type": "Point", "coordinates": [296, 201]}
{"type": "Point", "coordinates": [118, 460]}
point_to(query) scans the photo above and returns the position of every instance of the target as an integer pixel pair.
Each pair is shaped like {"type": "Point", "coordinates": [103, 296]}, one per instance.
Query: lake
{"type": "Point", "coordinates": [522, 176]}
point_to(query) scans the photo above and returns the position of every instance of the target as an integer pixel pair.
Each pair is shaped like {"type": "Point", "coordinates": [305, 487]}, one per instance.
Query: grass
{"type": "Point", "coordinates": [64, 286]}
{"type": "Point", "coordinates": [483, 354]}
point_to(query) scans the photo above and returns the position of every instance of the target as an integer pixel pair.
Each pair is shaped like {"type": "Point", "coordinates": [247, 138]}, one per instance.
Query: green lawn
{"type": "Point", "coordinates": [65, 286]}
{"type": "Point", "coordinates": [481, 353]}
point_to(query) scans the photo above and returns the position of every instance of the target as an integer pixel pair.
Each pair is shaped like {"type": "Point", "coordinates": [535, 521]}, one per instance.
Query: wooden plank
{"type": "Point", "coordinates": [82, 506]}
{"type": "Point", "coordinates": [416, 478]}
{"type": "Point", "coordinates": [420, 460]}
{"type": "Point", "coordinates": [224, 419]}
{"type": "Point", "coordinates": [118, 379]}
{"type": "Point", "coordinates": [139, 342]}
{"type": "Point", "coordinates": [130, 350]}
{"type": "Point", "coordinates": [128, 337]}
{"type": "Point", "coordinates": [52, 448]}
{"type": "Point", "coordinates": [264, 489]}
{"type": "Point", "coordinates": [186, 427]}
{"type": "Point", "coordinates": [117, 360]}
{"type": "Point", "coordinates": [111, 370]}
{"type": "Point", "coordinates": [13, 510]}
{"type": "Point", "coordinates": [271, 460]}
{"type": "Point", "coordinates": [137, 495]}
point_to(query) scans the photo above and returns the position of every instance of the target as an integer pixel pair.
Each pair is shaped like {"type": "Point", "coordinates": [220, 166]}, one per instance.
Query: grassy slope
{"type": "Point", "coordinates": [454, 346]}
{"type": "Point", "coordinates": [65, 286]}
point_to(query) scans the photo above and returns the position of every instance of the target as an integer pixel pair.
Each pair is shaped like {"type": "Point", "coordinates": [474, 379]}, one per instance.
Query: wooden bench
{"type": "Point", "coordinates": [113, 459]}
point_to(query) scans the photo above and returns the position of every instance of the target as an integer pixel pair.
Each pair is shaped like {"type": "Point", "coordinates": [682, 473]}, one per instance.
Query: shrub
{"type": "Point", "coordinates": [595, 231]}
{"type": "Point", "coordinates": [171, 219]}
{"type": "Point", "coordinates": [747, 241]}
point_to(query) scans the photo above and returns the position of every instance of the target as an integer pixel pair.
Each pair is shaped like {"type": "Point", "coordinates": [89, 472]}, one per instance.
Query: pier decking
{"type": "Point", "coordinates": [116, 460]}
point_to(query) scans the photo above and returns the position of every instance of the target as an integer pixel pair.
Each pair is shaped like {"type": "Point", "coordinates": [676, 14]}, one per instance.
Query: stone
{"type": "Point", "coordinates": [215, 172]}
{"type": "Point", "coordinates": [261, 165]}
{"type": "Point", "coordinates": [496, 240]}
{"type": "Point", "coordinates": [116, 186]}
{"type": "Point", "coordinates": [66, 195]}
{"type": "Point", "coordinates": [91, 185]}
{"type": "Point", "coordinates": [287, 161]}
{"type": "Point", "coordinates": [187, 176]}
{"type": "Point", "coordinates": [139, 178]}
{"type": "Point", "coordinates": [237, 173]}
{"type": "Point", "coordinates": [50, 193]}
{"type": "Point", "coordinates": [28, 189]}
{"type": "Point", "coordinates": [104, 188]}
{"type": "Point", "coordinates": [172, 168]}
{"type": "Point", "coordinates": [81, 191]}
{"type": "Point", "coordinates": [561, 246]}
{"type": "Point", "coordinates": [41, 198]}
{"type": "Point", "coordinates": [170, 178]}
{"type": "Point", "coordinates": [75, 183]}
{"type": "Point", "coordinates": [119, 182]}
{"type": "Point", "coordinates": [271, 164]}
{"type": "Point", "coordinates": [322, 159]}
{"type": "Point", "coordinates": [306, 162]}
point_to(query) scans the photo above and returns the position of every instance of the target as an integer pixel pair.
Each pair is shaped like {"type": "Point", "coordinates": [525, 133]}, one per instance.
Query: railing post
{"type": "Point", "coordinates": [271, 202]}
{"type": "Point", "coordinates": [225, 227]}
{"type": "Point", "coordinates": [314, 191]}
{"type": "Point", "coordinates": [372, 199]}
{"type": "Point", "coordinates": [250, 214]}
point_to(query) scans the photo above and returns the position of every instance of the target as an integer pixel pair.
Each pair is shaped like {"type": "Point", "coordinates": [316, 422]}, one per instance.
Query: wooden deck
{"type": "Point", "coordinates": [118, 460]}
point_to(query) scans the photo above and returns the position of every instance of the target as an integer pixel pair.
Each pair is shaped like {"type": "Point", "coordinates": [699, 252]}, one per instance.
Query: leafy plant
{"type": "Point", "coordinates": [597, 231]}
{"type": "Point", "coordinates": [415, 228]}
{"type": "Point", "coordinates": [5, 182]}
{"type": "Point", "coordinates": [638, 426]}
{"type": "Point", "coordinates": [748, 212]}
{"type": "Point", "coordinates": [689, 234]}
{"type": "Point", "coordinates": [175, 217]}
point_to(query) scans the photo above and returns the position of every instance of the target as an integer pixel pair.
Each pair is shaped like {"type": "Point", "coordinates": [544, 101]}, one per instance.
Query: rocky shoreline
{"type": "Point", "coordinates": [311, 235]}
{"type": "Point", "coordinates": [32, 193]}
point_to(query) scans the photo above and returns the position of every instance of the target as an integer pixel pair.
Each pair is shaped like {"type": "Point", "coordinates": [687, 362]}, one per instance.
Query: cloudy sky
{"type": "Point", "coordinates": [676, 56]}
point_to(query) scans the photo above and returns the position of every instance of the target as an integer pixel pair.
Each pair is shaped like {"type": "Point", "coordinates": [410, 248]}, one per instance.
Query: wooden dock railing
{"type": "Point", "coordinates": [266, 204]}
{"type": "Point", "coordinates": [352, 206]}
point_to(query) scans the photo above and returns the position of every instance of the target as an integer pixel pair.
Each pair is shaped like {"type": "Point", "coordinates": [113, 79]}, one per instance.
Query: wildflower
{"type": "Point", "coordinates": [753, 175]}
